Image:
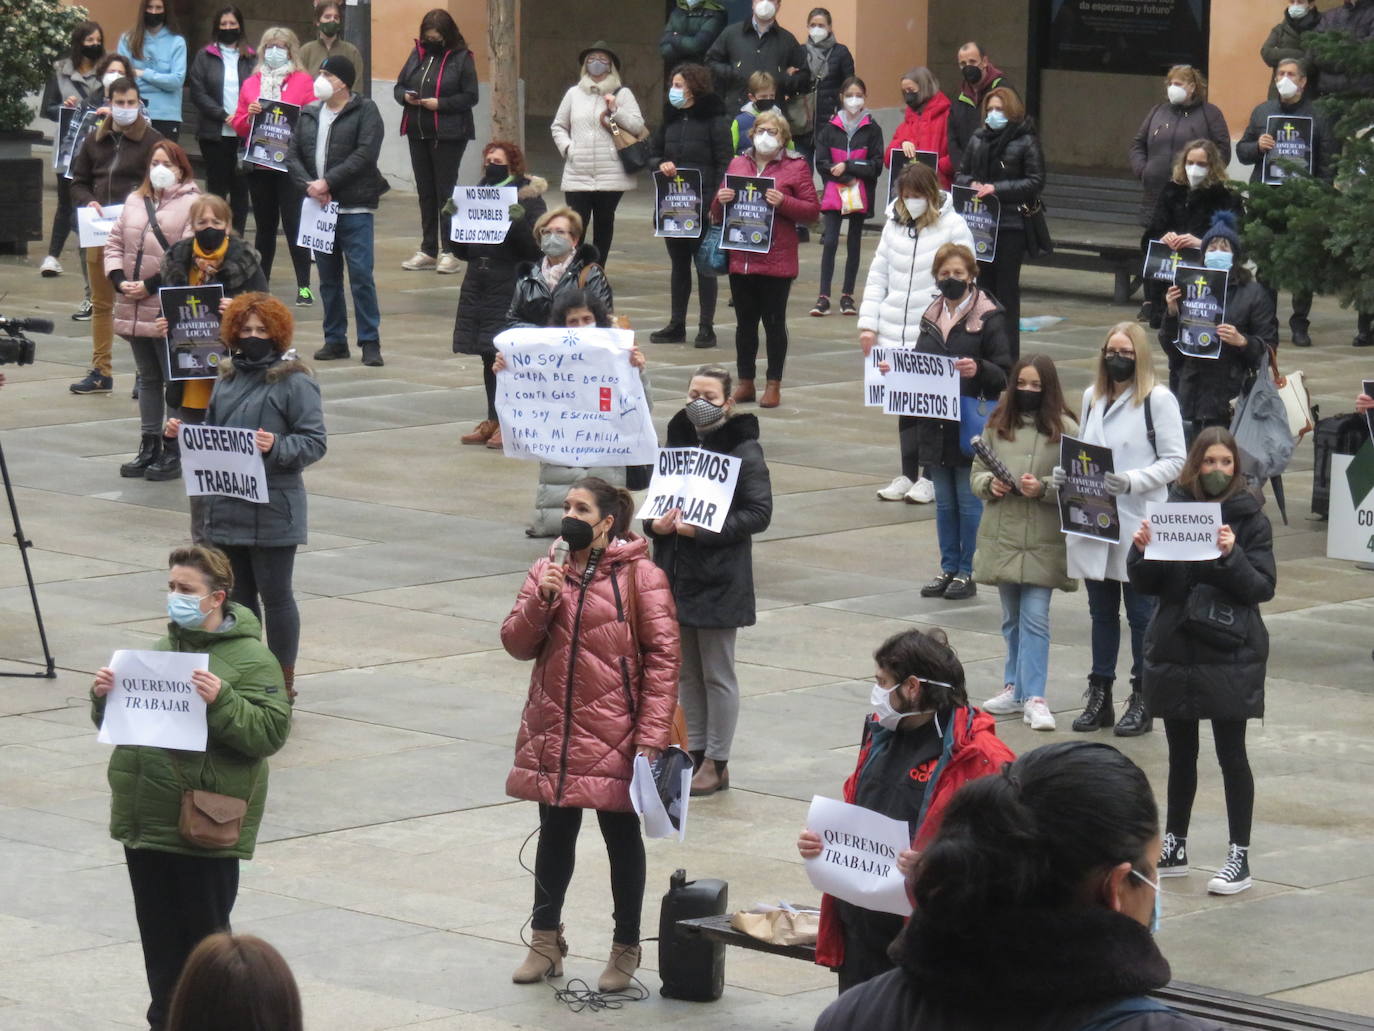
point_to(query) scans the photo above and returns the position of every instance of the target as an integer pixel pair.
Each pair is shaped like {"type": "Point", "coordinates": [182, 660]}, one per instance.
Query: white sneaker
{"type": "Point", "coordinates": [896, 490]}
{"type": "Point", "coordinates": [448, 264]}
{"type": "Point", "coordinates": [922, 492]}
{"type": "Point", "coordinates": [50, 267]}
{"type": "Point", "coordinates": [1037, 714]}
{"type": "Point", "coordinates": [419, 261]}
{"type": "Point", "coordinates": [1003, 703]}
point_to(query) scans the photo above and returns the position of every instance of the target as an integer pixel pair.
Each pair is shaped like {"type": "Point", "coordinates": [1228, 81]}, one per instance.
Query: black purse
{"type": "Point", "coordinates": [1039, 243]}
{"type": "Point", "coordinates": [1212, 618]}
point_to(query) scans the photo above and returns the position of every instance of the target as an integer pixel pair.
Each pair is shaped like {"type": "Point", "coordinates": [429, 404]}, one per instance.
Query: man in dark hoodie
{"type": "Point", "coordinates": [978, 75]}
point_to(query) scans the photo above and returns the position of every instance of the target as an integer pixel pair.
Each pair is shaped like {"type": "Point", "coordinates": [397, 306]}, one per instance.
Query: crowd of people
{"type": "Point", "coordinates": [625, 623]}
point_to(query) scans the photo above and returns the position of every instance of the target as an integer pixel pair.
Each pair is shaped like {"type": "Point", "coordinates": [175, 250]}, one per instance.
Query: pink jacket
{"type": "Point", "coordinates": [799, 204]}
{"type": "Point", "coordinates": [595, 696]}
{"type": "Point", "coordinates": [129, 235]}
{"type": "Point", "coordinates": [299, 89]}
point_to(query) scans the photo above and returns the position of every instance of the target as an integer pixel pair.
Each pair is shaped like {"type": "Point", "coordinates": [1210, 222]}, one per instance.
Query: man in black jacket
{"type": "Point", "coordinates": [333, 158]}
{"type": "Point", "coordinates": [977, 75]}
{"type": "Point", "coordinates": [759, 44]}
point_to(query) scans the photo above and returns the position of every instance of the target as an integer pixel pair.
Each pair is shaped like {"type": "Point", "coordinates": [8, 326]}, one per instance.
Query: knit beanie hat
{"type": "Point", "coordinates": [1223, 227]}
{"type": "Point", "coordinates": [341, 68]}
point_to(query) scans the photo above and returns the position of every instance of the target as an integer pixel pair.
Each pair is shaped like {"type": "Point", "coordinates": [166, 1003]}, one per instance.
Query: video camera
{"type": "Point", "coordinates": [15, 347]}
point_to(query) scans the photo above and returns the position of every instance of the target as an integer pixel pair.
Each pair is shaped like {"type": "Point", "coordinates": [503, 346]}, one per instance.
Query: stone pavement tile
{"type": "Point", "coordinates": [487, 598]}
{"type": "Point", "coordinates": [357, 570]}
{"type": "Point", "coordinates": [56, 832]}
{"type": "Point", "coordinates": [789, 478]}
{"type": "Point", "coordinates": [349, 633]}
{"type": "Point", "coordinates": [847, 510]}
{"type": "Point", "coordinates": [49, 1017]}
{"type": "Point", "coordinates": [101, 987]}
{"type": "Point", "coordinates": [896, 550]}
{"type": "Point", "coordinates": [103, 530]}
{"type": "Point", "coordinates": [387, 696]}
{"type": "Point", "coordinates": [318, 738]}
{"type": "Point", "coordinates": [48, 890]}
{"type": "Point", "coordinates": [342, 1008]}
{"type": "Point", "coordinates": [22, 939]}
{"type": "Point", "coordinates": [94, 600]}
{"type": "Point", "coordinates": [50, 566]}
{"type": "Point", "coordinates": [779, 581]}
{"type": "Point", "coordinates": [31, 730]}
{"type": "Point", "coordinates": [326, 929]}
{"type": "Point", "coordinates": [492, 670]}
{"type": "Point", "coordinates": [1352, 994]}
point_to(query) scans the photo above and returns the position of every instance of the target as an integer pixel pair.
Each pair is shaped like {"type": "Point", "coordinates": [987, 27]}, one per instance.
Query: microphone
{"type": "Point", "coordinates": [30, 325]}
{"type": "Point", "coordinates": [560, 552]}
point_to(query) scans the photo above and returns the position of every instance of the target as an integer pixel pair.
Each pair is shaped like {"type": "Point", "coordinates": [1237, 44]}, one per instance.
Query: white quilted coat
{"type": "Point", "coordinates": [589, 157]}
{"type": "Point", "coordinates": [901, 282]}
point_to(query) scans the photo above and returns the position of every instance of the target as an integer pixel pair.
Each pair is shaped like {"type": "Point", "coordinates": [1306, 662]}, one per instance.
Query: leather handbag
{"type": "Point", "coordinates": [973, 416]}
{"type": "Point", "coordinates": [211, 820]}
{"type": "Point", "coordinates": [632, 149]}
{"type": "Point", "coordinates": [1039, 243]}
{"type": "Point", "coordinates": [1212, 618]}
{"type": "Point", "coordinates": [1297, 402]}
{"type": "Point", "coordinates": [710, 259]}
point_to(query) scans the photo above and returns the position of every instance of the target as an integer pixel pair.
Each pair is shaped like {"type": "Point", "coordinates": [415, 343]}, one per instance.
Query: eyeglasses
{"type": "Point", "coordinates": [1118, 354]}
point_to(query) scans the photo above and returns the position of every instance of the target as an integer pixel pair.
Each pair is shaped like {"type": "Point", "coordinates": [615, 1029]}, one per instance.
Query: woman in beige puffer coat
{"type": "Point", "coordinates": [133, 263]}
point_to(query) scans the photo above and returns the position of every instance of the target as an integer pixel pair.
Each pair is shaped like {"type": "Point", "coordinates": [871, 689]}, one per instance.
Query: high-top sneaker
{"type": "Point", "coordinates": [1234, 875]}
{"type": "Point", "coordinates": [1173, 857]}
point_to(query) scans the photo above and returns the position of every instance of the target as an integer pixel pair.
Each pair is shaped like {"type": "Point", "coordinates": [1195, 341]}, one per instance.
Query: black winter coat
{"type": "Point", "coordinates": [839, 65]}
{"type": "Point", "coordinates": [355, 144]}
{"type": "Point", "coordinates": [1182, 209]}
{"type": "Point", "coordinates": [1187, 678]}
{"type": "Point", "coordinates": [980, 334]}
{"type": "Point", "coordinates": [1323, 144]}
{"type": "Point", "coordinates": [1207, 385]}
{"type": "Point", "coordinates": [712, 574]}
{"type": "Point", "coordinates": [452, 77]}
{"type": "Point", "coordinates": [690, 32]}
{"type": "Point", "coordinates": [205, 83]}
{"type": "Point", "coordinates": [532, 300]}
{"type": "Point", "coordinates": [1057, 970]}
{"type": "Point", "coordinates": [739, 51]}
{"type": "Point", "coordinates": [239, 272]}
{"type": "Point", "coordinates": [490, 278]}
{"type": "Point", "coordinates": [1285, 42]}
{"type": "Point", "coordinates": [1018, 175]}
{"type": "Point", "coordinates": [695, 137]}
{"type": "Point", "coordinates": [1357, 18]}
{"type": "Point", "coordinates": [831, 138]}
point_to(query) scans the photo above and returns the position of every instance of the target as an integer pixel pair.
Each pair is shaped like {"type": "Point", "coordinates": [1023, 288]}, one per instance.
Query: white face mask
{"type": "Point", "coordinates": [1297, 11]}
{"type": "Point", "coordinates": [1195, 173]}
{"type": "Point", "coordinates": [853, 104]}
{"type": "Point", "coordinates": [818, 33]}
{"type": "Point", "coordinates": [880, 698]}
{"type": "Point", "coordinates": [915, 206]}
{"type": "Point", "coordinates": [765, 11]}
{"type": "Point", "coordinates": [766, 142]}
{"type": "Point", "coordinates": [324, 89]}
{"type": "Point", "coordinates": [125, 116]}
{"type": "Point", "coordinates": [109, 78]}
{"type": "Point", "coordinates": [162, 177]}
{"type": "Point", "coordinates": [1177, 94]}
{"type": "Point", "coordinates": [1288, 89]}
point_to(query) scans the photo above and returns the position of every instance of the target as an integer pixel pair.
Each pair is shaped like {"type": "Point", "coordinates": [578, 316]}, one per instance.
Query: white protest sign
{"type": "Point", "coordinates": [570, 397]}
{"type": "Point", "coordinates": [153, 701]}
{"type": "Point", "coordinates": [222, 460]}
{"type": "Point", "coordinates": [1350, 522]}
{"type": "Point", "coordinates": [1184, 531]}
{"type": "Point", "coordinates": [483, 213]}
{"type": "Point", "coordinates": [919, 384]}
{"type": "Point", "coordinates": [697, 482]}
{"type": "Point", "coordinates": [94, 229]}
{"type": "Point", "coordinates": [319, 222]}
{"type": "Point", "coordinates": [873, 380]}
{"type": "Point", "coordinates": [858, 860]}
{"type": "Point", "coordinates": [659, 820]}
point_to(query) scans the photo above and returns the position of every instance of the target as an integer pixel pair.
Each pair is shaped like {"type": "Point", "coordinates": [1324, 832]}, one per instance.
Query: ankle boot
{"type": "Point", "coordinates": [744, 392]}
{"type": "Point", "coordinates": [713, 776]}
{"type": "Point", "coordinates": [698, 757]}
{"type": "Point", "coordinates": [1135, 720]}
{"type": "Point", "coordinates": [1098, 713]}
{"type": "Point", "coordinates": [673, 333]}
{"type": "Point", "coordinates": [772, 394]}
{"type": "Point", "coordinates": [149, 447]}
{"type": "Point", "coordinates": [620, 968]}
{"type": "Point", "coordinates": [545, 958]}
{"type": "Point", "coordinates": [288, 674]}
{"type": "Point", "coordinates": [168, 463]}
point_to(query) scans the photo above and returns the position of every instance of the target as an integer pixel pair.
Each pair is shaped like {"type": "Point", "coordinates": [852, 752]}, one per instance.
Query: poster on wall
{"type": "Point", "coordinates": [1129, 37]}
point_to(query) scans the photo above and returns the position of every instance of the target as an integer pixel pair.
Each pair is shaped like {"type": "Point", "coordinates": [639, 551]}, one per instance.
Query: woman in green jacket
{"type": "Point", "coordinates": [183, 892]}
{"type": "Point", "coordinates": [1020, 546]}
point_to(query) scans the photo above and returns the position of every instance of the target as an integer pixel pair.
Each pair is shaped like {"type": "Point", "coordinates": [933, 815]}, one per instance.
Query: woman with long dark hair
{"type": "Point", "coordinates": [73, 79]}
{"type": "Point", "coordinates": [218, 72]}
{"type": "Point", "coordinates": [159, 58]}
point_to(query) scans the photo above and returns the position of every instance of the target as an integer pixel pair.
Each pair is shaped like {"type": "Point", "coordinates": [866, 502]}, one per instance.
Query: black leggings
{"type": "Point", "coordinates": [911, 453]}
{"type": "Point", "coordinates": [682, 252]}
{"type": "Point", "coordinates": [276, 200]}
{"type": "Point", "coordinates": [553, 867]}
{"type": "Point", "coordinates": [222, 176]}
{"type": "Point", "coordinates": [830, 243]}
{"type": "Point", "coordinates": [1236, 778]}
{"type": "Point", "coordinates": [596, 206]}
{"type": "Point", "coordinates": [760, 297]}
{"type": "Point", "coordinates": [435, 164]}
{"type": "Point", "coordinates": [266, 573]}
{"type": "Point", "coordinates": [489, 383]}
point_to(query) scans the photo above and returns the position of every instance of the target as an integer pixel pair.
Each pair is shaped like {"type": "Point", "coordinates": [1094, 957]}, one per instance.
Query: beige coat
{"type": "Point", "coordinates": [589, 155]}
{"type": "Point", "coordinates": [130, 234]}
{"type": "Point", "coordinates": [1019, 541]}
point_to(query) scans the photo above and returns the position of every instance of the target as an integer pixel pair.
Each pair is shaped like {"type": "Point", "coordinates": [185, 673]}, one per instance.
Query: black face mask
{"type": "Point", "coordinates": [93, 53]}
{"type": "Point", "coordinates": [255, 349]}
{"type": "Point", "coordinates": [228, 36]}
{"type": "Point", "coordinates": [972, 73]}
{"type": "Point", "coordinates": [209, 240]}
{"type": "Point", "coordinates": [495, 173]}
{"type": "Point", "coordinates": [952, 288]}
{"type": "Point", "coordinates": [153, 21]}
{"type": "Point", "coordinates": [576, 533]}
{"type": "Point", "coordinates": [1028, 400]}
{"type": "Point", "coordinates": [431, 47]}
{"type": "Point", "coordinates": [913, 100]}
{"type": "Point", "coordinates": [1119, 369]}
{"type": "Point", "coordinates": [765, 105]}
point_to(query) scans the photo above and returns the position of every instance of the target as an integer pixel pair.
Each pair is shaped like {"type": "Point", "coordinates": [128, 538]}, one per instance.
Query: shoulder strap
{"type": "Point", "coordinates": [153, 227]}
{"type": "Point", "coordinates": [1150, 425]}
{"type": "Point", "coordinates": [1120, 1012]}
{"type": "Point", "coordinates": [586, 274]}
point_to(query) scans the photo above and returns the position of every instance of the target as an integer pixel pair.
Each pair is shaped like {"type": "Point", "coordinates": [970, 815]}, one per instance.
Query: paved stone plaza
{"type": "Point", "coordinates": [387, 867]}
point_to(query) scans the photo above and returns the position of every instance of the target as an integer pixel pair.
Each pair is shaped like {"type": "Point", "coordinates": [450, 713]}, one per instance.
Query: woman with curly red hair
{"type": "Point", "coordinates": [268, 389]}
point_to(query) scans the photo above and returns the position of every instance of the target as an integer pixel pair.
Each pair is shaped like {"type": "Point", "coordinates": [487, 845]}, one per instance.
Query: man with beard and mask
{"type": "Point", "coordinates": [159, 58]}
{"type": "Point", "coordinates": [758, 44]}
{"type": "Point", "coordinates": [978, 76]}
{"type": "Point", "coordinates": [217, 71]}
{"type": "Point", "coordinates": [712, 572]}
{"type": "Point", "coordinates": [921, 742]}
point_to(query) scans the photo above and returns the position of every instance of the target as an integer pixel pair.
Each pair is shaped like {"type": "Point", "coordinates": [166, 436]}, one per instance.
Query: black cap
{"type": "Point", "coordinates": [600, 45]}
{"type": "Point", "coordinates": [341, 68]}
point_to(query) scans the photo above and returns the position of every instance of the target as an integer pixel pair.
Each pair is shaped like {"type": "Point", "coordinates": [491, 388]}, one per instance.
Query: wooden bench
{"type": "Point", "coordinates": [1232, 1010]}
{"type": "Point", "coordinates": [1093, 222]}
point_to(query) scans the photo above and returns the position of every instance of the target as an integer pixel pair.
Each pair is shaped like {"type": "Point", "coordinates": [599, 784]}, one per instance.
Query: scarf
{"type": "Point", "coordinates": [272, 81]}
{"type": "Point", "coordinates": [605, 87]}
{"type": "Point", "coordinates": [554, 273]}
{"type": "Point", "coordinates": [818, 56]}
{"type": "Point", "coordinates": [851, 122]}
{"type": "Point", "coordinates": [205, 267]}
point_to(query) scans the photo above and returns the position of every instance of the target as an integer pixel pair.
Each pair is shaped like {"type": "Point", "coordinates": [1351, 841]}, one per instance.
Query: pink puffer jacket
{"type": "Point", "coordinates": [130, 233]}
{"type": "Point", "coordinates": [594, 696]}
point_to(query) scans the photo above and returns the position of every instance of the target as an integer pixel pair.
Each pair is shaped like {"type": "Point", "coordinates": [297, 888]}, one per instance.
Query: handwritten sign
{"type": "Point", "coordinates": [571, 397]}
{"type": "Point", "coordinates": [918, 384]}
{"type": "Point", "coordinates": [482, 213]}
{"type": "Point", "coordinates": [318, 225]}
{"type": "Point", "coordinates": [982, 215]}
{"type": "Point", "coordinates": [222, 460]}
{"type": "Point", "coordinates": [858, 860]}
{"type": "Point", "coordinates": [269, 135]}
{"type": "Point", "coordinates": [748, 224]}
{"type": "Point", "coordinates": [1183, 531]}
{"type": "Point", "coordinates": [154, 702]}
{"type": "Point", "coordinates": [698, 483]}
{"type": "Point", "coordinates": [92, 229]}
{"type": "Point", "coordinates": [194, 349]}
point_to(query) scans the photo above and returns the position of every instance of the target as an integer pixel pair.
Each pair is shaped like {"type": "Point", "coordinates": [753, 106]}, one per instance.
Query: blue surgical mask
{"type": "Point", "coordinates": [996, 120]}
{"type": "Point", "coordinates": [676, 96]}
{"type": "Point", "coordinates": [1159, 895]}
{"type": "Point", "coordinates": [1218, 259]}
{"type": "Point", "coordinates": [184, 610]}
{"type": "Point", "coordinates": [275, 57]}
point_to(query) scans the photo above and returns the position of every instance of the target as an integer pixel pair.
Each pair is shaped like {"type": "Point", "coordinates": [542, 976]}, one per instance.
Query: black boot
{"type": "Point", "coordinates": [1098, 713]}
{"type": "Point", "coordinates": [1135, 720]}
{"type": "Point", "coordinates": [698, 757]}
{"type": "Point", "coordinates": [332, 351]}
{"type": "Point", "coordinates": [673, 333]}
{"type": "Point", "coordinates": [706, 336]}
{"type": "Point", "coordinates": [148, 449]}
{"type": "Point", "coordinates": [168, 464]}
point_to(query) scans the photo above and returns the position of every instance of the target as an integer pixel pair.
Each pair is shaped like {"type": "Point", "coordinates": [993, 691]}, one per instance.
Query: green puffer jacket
{"type": "Point", "coordinates": [247, 722]}
{"type": "Point", "coordinates": [1019, 541]}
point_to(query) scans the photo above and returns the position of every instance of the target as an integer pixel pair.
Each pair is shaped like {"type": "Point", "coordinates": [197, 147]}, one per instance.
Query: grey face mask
{"type": "Point", "coordinates": [555, 245]}
{"type": "Point", "coordinates": [702, 413]}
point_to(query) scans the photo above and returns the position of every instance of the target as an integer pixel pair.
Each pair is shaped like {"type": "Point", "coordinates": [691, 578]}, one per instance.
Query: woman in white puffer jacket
{"type": "Point", "coordinates": [900, 286]}
{"type": "Point", "coordinates": [593, 178]}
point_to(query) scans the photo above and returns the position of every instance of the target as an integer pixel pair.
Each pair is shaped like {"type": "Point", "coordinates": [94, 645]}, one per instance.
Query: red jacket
{"type": "Point", "coordinates": [972, 750]}
{"type": "Point", "coordinates": [298, 89]}
{"type": "Point", "coordinates": [927, 129]}
{"type": "Point", "coordinates": [799, 204]}
{"type": "Point", "coordinates": [593, 696]}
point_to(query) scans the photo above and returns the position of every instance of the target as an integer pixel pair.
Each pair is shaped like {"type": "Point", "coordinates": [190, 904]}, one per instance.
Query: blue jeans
{"type": "Point", "coordinates": [1026, 629]}
{"type": "Point", "coordinates": [1104, 606]}
{"type": "Point", "coordinates": [352, 244]}
{"type": "Point", "coordinates": [957, 514]}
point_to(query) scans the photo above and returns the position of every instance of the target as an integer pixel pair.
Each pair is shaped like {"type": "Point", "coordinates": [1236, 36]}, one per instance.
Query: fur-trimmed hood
{"type": "Point", "coordinates": [724, 438]}
{"type": "Point", "coordinates": [708, 106]}
{"type": "Point", "coordinates": [135, 132]}
{"type": "Point", "coordinates": [532, 186]}
{"type": "Point", "coordinates": [974, 315]}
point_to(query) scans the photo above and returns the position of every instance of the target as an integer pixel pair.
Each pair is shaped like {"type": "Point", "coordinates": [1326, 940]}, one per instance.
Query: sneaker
{"type": "Point", "coordinates": [94, 383]}
{"type": "Point", "coordinates": [1234, 875]}
{"type": "Point", "coordinates": [1003, 703]}
{"type": "Point", "coordinates": [922, 492]}
{"type": "Point", "coordinates": [1173, 857]}
{"type": "Point", "coordinates": [50, 267]}
{"type": "Point", "coordinates": [896, 490]}
{"type": "Point", "coordinates": [419, 261]}
{"type": "Point", "coordinates": [332, 352]}
{"type": "Point", "coordinates": [83, 314]}
{"type": "Point", "coordinates": [821, 307]}
{"type": "Point", "coordinates": [304, 298]}
{"type": "Point", "coordinates": [937, 587]}
{"type": "Point", "coordinates": [449, 264]}
{"type": "Point", "coordinates": [847, 306]}
{"type": "Point", "coordinates": [1036, 713]}
{"type": "Point", "coordinates": [959, 588]}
